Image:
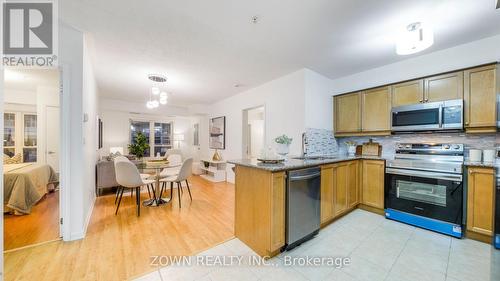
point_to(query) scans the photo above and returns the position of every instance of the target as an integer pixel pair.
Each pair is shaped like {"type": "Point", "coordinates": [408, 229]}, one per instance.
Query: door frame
{"type": "Point", "coordinates": [244, 128]}
{"type": "Point", "coordinates": [64, 152]}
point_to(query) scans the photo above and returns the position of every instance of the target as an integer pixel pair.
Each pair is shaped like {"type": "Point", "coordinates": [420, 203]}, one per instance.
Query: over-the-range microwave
{"type": "Point", "coordinates": [432, 116]}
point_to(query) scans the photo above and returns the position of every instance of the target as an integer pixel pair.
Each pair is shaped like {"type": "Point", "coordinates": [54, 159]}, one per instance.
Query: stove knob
{"type": "Point", "coordinates": [446, 146]}
{"type": "Point", "coordinates": [456, 146]}
{"type": "Point", "coordinates": [408, 146]}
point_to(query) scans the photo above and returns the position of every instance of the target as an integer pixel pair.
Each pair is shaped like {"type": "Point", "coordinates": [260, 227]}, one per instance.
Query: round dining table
{"type": "Point", "coordinates": [155, 170]}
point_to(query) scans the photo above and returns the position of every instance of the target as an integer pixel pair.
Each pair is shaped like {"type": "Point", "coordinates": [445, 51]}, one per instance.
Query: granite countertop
{"type": "Point", "coordinates": [292, 164]}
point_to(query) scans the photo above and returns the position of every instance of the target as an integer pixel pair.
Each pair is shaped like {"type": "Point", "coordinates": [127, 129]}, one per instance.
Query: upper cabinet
{"type": "Point", "coordinates": [347, 112]}
{"type": "Point", "coordinates": [407, 93]}
{"type": "Point", "coordinates": [376, 110]}
{"type": "Point", "coordinates": [444, 87]}
{"type": "Point", "coordinates": [480, 99]}
{"type": "Point", "coordinates": [368, 112]}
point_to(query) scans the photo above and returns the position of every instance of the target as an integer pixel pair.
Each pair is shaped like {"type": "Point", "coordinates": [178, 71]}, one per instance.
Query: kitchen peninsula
{"type": "Point", "coordinates": [347, 182]}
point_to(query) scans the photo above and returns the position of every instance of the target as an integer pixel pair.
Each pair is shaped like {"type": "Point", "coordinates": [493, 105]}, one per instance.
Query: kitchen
{"type": "Point", "coordinates": [425, 170]}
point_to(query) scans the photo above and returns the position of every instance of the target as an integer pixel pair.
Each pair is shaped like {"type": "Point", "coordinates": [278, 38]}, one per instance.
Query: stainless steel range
{"type": "Point", "coordinates": [424, 186]}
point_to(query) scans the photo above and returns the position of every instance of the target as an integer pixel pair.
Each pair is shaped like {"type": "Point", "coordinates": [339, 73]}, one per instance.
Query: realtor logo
{"type": "Point", "coordinates": [29, 33]}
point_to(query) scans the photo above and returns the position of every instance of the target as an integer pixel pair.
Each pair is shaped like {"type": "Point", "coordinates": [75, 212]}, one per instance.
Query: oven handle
{"type": "Point", "coordinates": [440, 116]}
{"type": "Point", "coordinates": [424, 174]}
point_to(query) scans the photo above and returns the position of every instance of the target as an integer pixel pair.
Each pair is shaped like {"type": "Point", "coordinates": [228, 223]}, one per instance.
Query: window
{"type": "Point", "coordinates": [160, 142]}
{"type": "Point", "coordinates": [9, 134]}
{"type": "Point", "coordinates": [30, 139]}
{"type": "Point", "coordinates": [20, 126]}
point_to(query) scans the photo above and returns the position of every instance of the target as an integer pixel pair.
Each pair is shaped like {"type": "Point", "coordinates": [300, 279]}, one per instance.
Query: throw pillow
{"type": "Point", "coordinates": [16, 159]}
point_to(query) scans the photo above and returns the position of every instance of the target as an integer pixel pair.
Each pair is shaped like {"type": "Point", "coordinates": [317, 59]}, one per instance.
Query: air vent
{"type": "Point", "coordinates": [135, 113]}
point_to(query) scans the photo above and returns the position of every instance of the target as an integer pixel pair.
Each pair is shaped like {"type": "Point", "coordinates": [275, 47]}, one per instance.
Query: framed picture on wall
{"type": "Point", "coordinates": [217, 133]}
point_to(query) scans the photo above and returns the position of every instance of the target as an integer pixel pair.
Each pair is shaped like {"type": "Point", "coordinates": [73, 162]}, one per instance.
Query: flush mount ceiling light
{"type": "Point", "coordinates": [416, 37]}
{"type": "Point", "coordinates": [156, 90]}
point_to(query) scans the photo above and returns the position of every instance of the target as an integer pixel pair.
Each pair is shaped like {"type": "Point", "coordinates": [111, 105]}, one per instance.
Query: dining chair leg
{"type": "Point", "coordinates": [132, 193]}
{"type": "Point", "coordinates": [162, 188]}
{"type": "Point", "coordinates": [179, 193]}
{"type": "Point", "coordinates": [119, 200]}
{"type": "Point", "coordinates": [118, 189]}
{"type": "Point", "coordinates": [138, 200]}
{"type": "Point", "coordinates": [189, 190]}
{"type": "Point", "coordinates": [149, 192]}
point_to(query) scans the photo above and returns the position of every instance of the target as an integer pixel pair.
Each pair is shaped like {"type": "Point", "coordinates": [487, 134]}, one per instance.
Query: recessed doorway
{"type": "Point", "coordinates": [253, 131]}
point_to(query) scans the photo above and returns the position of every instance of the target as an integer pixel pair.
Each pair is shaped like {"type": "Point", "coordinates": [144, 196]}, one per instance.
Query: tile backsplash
{"type": "Point", "coordinates": [320, 142]}
{"type": "Point", "coordinates": [323, 142]}
{"type": "Point", "coordinates": [483, 141]}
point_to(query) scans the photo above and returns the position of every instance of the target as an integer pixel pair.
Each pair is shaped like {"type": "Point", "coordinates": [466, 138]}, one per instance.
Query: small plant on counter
{"type": "Point", "coordinates": [350, 143]}
{"type": "Point", "coordinates": [283, 139]}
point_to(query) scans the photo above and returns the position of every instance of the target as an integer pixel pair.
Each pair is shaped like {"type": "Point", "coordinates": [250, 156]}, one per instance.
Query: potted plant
{"type": "Point", "coordinates": [140, 146]}
{"type": "Point", "coordinates": [283, 144]}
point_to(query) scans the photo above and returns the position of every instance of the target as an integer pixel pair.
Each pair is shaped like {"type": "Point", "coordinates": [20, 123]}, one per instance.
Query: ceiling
{"type": "Point", "coordinates": [207, 47]}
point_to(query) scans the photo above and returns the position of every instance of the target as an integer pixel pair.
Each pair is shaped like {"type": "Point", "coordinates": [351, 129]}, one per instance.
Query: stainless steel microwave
{"type": "Point", "coordinates": [432, 116]}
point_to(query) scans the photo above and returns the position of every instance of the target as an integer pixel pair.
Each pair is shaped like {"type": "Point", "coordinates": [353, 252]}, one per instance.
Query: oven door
{"type": "Point", "coordinates": [428, 194]}
{"type": "Point", "coordinates": [418, 117]}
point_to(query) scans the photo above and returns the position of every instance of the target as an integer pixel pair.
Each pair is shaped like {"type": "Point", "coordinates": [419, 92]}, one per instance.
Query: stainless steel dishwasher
{"type": "Point", "coordinates": [303, 194]}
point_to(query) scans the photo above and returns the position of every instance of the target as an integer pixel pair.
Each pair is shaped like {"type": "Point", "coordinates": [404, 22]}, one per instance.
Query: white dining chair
{"type": "Point", "coordinates": [128, 176]}
{"type": "Point", "coordinates": [184, 173]}
{"type": "Point", "coordinates": [173, 160]}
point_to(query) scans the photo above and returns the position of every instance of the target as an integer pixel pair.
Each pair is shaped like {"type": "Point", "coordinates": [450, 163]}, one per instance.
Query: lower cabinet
{"type": "Point", "coordinates": [260, 209]}
{"type": "Point", "coordinates": [339, 189]}
{"type": "Point", "coordinates": [480, 202]}
{"type": "Point", "coordinates": [372, 192]}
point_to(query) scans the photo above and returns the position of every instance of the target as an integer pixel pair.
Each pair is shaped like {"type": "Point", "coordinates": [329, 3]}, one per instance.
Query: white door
{"type": "Point", "coordinates": [52, 137]}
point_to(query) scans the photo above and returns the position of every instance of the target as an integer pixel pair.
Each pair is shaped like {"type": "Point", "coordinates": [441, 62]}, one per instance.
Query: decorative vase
{"type": "Point", "coordinates": [351, 150]}
{"type": "Point", "coordinates": [282, 149]}
{"type": "Point", "coordinates": [216, 156]}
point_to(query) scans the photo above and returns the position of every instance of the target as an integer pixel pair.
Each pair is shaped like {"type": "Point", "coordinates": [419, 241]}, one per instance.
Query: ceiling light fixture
{"type": "Point", "coordinates": [415, 38]}
{"type": "Point", "coordinates": [156, 90]}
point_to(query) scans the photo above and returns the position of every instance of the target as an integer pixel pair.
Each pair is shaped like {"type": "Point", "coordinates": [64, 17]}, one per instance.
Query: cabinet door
{"type": "Point", "coordinates": [406, 93]}
{"type": "Point", "coordinates": [326, 193]}
{"type": "Point", "coordinates": [480, 97]}
{"type": "Point", "coordinates": [480, 200]}
{"type": "Point", "coordinates": [444, 87]}
{"type": "Point", "coordinates": [353, 187]}
{"type": "Point", "coordinates": [277, 211]}
{"type": "Point", "coordinates": [348, 113]}
{"type": "Point", "coordinates": [340, 183]}
{"type": "Point", "coordinates": [373, 183]}
{"type": "Point", "coordinates": [376, 110]}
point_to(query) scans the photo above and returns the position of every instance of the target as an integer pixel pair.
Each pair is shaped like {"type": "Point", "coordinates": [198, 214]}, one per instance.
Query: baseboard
{"type": "Point", "coordinates": [371, 209]}
{"type": "Point", "coordinates": [479, 237]}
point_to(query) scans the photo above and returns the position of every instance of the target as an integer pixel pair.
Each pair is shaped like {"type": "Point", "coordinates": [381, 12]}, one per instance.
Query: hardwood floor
{"type": "Point", "coordinates": [121, 247]}
{"type": "Point", "coordinates": [40, 226]}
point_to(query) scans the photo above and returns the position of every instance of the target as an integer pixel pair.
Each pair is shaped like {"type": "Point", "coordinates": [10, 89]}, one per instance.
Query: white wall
{"type": "Point", "coordinates": [116, 125]}
{"type": "Point", "coordinates": [474, 53]}
{"type": "Point", "coordinates": [283, 99]}
{"type": "Point", "coordinates": [90, 131]}
{"type": "Point", "coordinates": [318, 101]}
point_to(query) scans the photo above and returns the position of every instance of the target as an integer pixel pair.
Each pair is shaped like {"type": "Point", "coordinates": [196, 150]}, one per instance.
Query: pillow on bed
{"type": "Point", "coordinates": [16, 159]}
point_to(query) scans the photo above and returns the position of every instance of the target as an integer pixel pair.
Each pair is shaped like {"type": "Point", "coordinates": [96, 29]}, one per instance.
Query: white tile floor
{"type": "Point", "coordinates": [378, 249]}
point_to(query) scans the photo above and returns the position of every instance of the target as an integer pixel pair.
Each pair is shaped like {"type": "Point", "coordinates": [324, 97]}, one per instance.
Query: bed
{"type": "Point", "coordinates": [25, 184]}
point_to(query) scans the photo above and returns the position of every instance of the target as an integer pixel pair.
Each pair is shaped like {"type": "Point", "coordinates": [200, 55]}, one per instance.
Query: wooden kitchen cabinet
{"type": "Point", "coordinates": [376, 110]}
{"type": "Point", "coordinates": [480, 99]}
{"type": "Point", "coordinates": [260, 209]}
{"type": "Point", "coordinates": [480, 203]}
{"type": "Point", "coordinates": [372, 191]}
{"type": "Point", "coordinates": [339, 189]}
{"type": "Point", "coordinates": [407, 93]}
{"type": "Point", "coordinates": [443, 87]}
{"type": "Point", "coordinates": [326, 206]}
{"type": "Point", "coordinates": [347, 113]}
{"type": "Point", "coordinates": [353, 175]}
